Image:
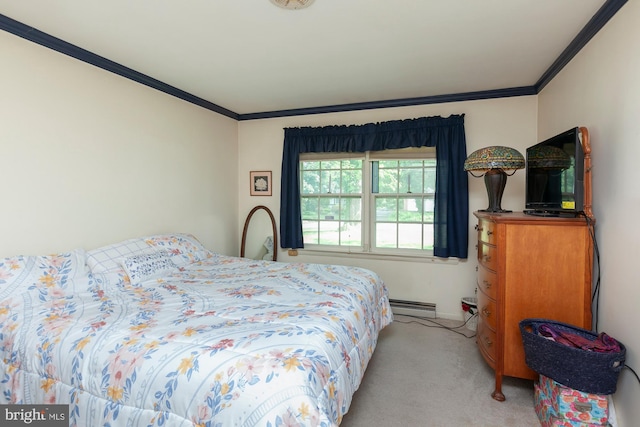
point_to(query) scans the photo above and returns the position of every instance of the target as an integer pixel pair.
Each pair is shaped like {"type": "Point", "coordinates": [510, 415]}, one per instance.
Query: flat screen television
{"type": "Point", "coordinates": [555, 176]}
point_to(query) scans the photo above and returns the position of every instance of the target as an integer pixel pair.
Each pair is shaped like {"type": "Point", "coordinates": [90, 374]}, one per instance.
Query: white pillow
{"type": "Point", "coordinates": [184, 248]}
{"type": "Point", "coordinates": [109, 258]}
{"type": "Point", "coordinates": [146, 266]}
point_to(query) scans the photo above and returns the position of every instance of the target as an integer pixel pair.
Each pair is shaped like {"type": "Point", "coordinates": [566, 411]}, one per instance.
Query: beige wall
{"type": "Point", "coordinates": [509, 121]}
{"type": "Point", "coordinates": [89, 158]}
{"type": "Point", "coordinates": [600, 89]}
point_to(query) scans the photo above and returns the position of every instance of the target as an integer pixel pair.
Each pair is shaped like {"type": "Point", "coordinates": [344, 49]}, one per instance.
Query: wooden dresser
{"type": "Point", "coordinates": [528, 267]}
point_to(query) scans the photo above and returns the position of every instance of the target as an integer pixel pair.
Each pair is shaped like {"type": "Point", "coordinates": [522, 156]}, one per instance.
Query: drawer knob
{"type": "Point", "coordinates": [485, 283]}
{"type": "Point", "coordinates": [487, 341]}
{"type": "Point", "coordinates": [489, 233]}
{"type": "Point", "coordinates": [487, 258]}
{"type": "Point", "coordinates": [486, 312]}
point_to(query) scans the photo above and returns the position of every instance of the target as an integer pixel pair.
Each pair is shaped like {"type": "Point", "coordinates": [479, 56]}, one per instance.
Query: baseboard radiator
{"type": "Point", "coordinates": [413, 308]}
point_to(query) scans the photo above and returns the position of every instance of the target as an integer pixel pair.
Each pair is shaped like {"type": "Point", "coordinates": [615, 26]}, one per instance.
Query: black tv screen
{"type": "Point", "coordinates": [555, 175]}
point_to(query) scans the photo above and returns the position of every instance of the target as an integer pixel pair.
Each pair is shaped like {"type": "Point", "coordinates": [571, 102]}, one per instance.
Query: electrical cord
{"type": "Point", "coordinates": [633, 372]}
{"type": "Point", "coordinates": [595, 298]}
{"type": "Point", "coordinates": [437, 324]}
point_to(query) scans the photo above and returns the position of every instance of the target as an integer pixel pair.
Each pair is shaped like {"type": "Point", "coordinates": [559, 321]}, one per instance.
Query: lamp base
{"type": "Point", "coordinates": [495, 180]}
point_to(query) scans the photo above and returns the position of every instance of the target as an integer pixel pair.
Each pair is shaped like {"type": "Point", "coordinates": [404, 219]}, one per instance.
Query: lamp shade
{"type": "Point", "coordinates": [495, 157]}
{"type": "Point", "coordinates": [492, 163]}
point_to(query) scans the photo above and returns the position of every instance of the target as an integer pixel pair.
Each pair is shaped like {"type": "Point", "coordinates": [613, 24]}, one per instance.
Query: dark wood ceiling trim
{"type": "Point", "coordinates": [29, 33]}
{"type": "Point", "coordinates": [437, 99]}
{"type": "Point", "coordinates": [604, 14]}
{"type": "Point", "coordinates": [595, 24]}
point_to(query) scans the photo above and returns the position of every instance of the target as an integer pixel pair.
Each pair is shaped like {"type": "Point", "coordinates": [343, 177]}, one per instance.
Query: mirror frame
{"type": "Point", "coordinates": [273, 227]}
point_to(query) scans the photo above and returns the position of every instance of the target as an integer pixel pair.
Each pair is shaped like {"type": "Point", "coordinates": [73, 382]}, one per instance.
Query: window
{"type": "Point", "coordinates": [378, 202]}
{"type": "Point", "coordinates": [331, 201]}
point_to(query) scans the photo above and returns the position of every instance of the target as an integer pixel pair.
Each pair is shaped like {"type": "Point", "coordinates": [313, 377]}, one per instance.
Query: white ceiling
{"type": "Point", "coordinates": [249, 56]}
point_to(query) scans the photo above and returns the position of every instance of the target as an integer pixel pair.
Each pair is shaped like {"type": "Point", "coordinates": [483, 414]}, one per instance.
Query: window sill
{"type": "Point", "coordinates": [406, 257]}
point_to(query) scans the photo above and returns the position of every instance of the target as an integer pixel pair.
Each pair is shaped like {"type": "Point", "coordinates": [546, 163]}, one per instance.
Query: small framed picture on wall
{"type": "Point", "coordinates": [260, 182]}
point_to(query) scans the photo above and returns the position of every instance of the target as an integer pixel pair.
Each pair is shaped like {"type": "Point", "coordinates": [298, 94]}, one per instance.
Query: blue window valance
{"type": "Point", "coordinates": [447, 135]}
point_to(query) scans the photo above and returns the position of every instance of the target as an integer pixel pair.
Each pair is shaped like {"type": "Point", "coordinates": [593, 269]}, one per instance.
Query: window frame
{"type": "Point", "coordinates": [367, 248]}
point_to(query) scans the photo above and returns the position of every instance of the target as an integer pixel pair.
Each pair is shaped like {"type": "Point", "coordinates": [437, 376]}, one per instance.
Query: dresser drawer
{"type": "Point", "coordinates": [487, 281]}
{"type": "Point", "coordinates": [487, 342]}
{"type": "Point", "coordinates": [487, 311]}
{"type": "Point", "coordinates": [487, 256]}
{"type": "Point", "coordinates": [524, 270]}
{"type": "Point", "coordinates": [487, 231]}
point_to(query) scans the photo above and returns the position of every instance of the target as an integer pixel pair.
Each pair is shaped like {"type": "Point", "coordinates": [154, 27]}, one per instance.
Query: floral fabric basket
{"type": "Point", "coordinates": [590, 369]}
{"type": "Point", "coordinates": [571, 406]}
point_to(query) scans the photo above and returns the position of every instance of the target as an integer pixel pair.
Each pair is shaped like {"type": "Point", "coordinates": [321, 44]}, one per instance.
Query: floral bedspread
{"type": "Point", "coordinates": [221, 341]}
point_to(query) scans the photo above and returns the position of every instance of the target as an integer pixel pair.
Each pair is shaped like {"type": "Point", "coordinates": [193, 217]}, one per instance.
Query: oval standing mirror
{"type": "Point", "coordinates": [259, 236]}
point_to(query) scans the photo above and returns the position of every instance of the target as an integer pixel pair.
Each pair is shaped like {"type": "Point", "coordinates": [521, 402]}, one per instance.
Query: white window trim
{"type": "Point", "coordinates": [396, 256]}
{"type": "Point", "coordinates": [366, 251]}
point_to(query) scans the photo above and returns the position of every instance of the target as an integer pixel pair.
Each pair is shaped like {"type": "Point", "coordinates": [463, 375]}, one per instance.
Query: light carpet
{"type": "Point", "coordinates": [431, 376]}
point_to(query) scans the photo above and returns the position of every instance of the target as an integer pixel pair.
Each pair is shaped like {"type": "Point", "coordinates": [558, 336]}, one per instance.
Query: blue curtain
{"type": "Point", "coordinates": [451, 214]}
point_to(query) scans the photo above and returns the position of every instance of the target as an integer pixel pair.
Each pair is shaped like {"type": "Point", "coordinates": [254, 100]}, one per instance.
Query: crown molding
{"type": "Point", "coordinates": [604, 14]}
{"type": "Point", "coordinates": [404, 102]}
{"type": "Point", "coordinates": [29, 33]}
{"type": "Point", "coordinates": [595, 24]}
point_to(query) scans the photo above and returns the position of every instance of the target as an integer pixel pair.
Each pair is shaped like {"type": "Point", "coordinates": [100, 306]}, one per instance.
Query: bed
{"type": "Point", "coordinates": [160, 331]}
